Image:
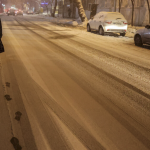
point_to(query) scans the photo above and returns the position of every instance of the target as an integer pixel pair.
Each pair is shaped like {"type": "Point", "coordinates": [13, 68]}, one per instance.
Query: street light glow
{"type": "Point", "coordinates": [45, 3]}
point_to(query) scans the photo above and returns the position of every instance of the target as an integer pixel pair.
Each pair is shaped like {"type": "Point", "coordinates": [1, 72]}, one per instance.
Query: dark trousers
{"type": "Point", "coordinates": [1, 47]}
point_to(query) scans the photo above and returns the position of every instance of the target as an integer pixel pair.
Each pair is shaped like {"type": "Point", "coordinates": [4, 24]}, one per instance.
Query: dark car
{"type": "Point", "coordinates": [11, 12]}
{"type": "Point", "coordinates": [37, 12]}
{"type": "Point", "coordinates": [19, 12]}
{"type": "Point", "coordinates": [142, 36]}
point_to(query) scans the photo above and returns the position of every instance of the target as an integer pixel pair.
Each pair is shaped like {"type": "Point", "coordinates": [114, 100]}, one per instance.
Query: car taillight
{"type": "Point", "coordinates": [109, 22]}
{"type": "Point", "coordinates": [124, 22]}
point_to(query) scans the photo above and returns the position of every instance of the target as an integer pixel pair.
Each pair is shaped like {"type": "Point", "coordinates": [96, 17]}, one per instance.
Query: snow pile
{"type": "Point", "coordinates": [132, 30]}
{"type": "Point", "coordinates": [129, 34]}
{"type": "Point", "coordinates": [74, 23]}
{"type": "Point", "coordinates": [67, 21]}
{"type": "Point", "coordinates": [62, 20]}
{"type": "Point", "coordinates": [83, 24]}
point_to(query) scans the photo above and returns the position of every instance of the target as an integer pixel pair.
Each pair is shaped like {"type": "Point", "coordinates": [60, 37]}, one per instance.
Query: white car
{"type": "Point", "coordinates": [142, 36]}
{"type": "Point", "coordinates": [30, 12]}
{"type": "Point", "coordinates": [108, 22]}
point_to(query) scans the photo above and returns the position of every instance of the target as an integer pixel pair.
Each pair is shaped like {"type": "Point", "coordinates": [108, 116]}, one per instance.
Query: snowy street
{"type": "Point", "coordinates": [76, 90]}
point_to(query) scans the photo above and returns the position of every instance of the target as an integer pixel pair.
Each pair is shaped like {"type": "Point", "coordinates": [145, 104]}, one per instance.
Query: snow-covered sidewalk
{"type": "Point", "coordinates": [67, 21]}
{"type": "Point", "coordinates": [5, 121]}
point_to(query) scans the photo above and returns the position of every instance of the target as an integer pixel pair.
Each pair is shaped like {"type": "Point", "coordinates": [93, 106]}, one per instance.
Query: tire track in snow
{"type": "Point", "coordinates": [128, 67]}
{"type": "Point", "coordinates": [128, 85]}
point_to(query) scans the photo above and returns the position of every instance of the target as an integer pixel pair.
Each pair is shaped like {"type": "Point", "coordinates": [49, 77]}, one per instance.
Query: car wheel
{"type": "Point", "coordinates": [88, 28]}
{"type": "Point", "coordinates": [101, 31]}
{"type": "Point", "coordinates": [138, 40]}
{"type": "Point", "coordinates": [122, 34]}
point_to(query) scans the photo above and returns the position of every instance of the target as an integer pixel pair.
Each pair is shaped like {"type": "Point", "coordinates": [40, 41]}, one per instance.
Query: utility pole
{"type": "Point", "coordinates": [115, 2]}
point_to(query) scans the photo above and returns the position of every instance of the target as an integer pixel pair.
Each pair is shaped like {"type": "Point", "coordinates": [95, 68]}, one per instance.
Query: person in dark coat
{"type": "Point", "coordinates": [69, 12]}
{"type": "Point", "coordinates": [1, 44]}
{"type": "Point", "coordinates": [0, 29]}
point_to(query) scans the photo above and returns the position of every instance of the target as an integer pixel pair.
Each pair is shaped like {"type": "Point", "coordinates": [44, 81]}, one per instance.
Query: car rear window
{"type": "Point", "coordinates": [115, 16]}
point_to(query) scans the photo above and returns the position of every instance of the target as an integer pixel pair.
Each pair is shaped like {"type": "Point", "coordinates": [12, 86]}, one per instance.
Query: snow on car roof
{"type": "Point", "coordinates": [111, 15]}
{"type": "Point", "coordinates": [109, 12]}
{"type": "Point", "coordinates": [104, 12]}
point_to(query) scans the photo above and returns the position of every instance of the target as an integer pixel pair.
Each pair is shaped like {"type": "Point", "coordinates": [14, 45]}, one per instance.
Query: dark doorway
{"type": "Point", "coordinates": [93, 10]}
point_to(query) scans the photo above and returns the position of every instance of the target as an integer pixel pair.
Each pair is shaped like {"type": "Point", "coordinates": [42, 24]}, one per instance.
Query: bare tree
{"type": "Point", "coordinates": [120, 2]}
{"type": "Point", "coordinates": [81, 10]}
{"type": "Point", "coordinates": [133, 2]}
{"type": "Point", "coordinates": [148, 9]}
{"type": "Point", "coordinates": [53, 14]}
{"type": "Point", "coordinates": [79, 5]}
{"type": "Point", "coordinates": [50, 2]}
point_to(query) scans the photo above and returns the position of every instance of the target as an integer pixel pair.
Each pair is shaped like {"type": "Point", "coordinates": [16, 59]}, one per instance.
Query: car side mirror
{"type": "Point", "coordinates": [147, 26]}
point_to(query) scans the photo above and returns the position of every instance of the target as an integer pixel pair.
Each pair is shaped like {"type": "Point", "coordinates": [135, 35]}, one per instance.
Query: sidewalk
{"type": "Point", "coordinates": [5, 121]}
{"type": "Point", "coordinates": [67, 21]}
{"type": "Point", "coordinates": [10, 126]}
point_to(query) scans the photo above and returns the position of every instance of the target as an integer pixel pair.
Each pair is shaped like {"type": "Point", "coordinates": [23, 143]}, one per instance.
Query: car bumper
{"type": "Point", "coordinates": [116, 29]}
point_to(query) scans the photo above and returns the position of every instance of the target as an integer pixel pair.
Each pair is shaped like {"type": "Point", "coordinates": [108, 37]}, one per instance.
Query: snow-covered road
{"type": "Point", "coordinates": [76, 90]}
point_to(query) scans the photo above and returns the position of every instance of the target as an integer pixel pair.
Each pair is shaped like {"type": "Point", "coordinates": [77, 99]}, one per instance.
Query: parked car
{"type": "Point", "coordinates": [11, 12]}
{"type": "Point", "coordinates": [108, 22]}
{"type": "Point", "coordinates": [30, 12]}
{"type": "Point", "coordinates": [37, 12]}
{"type": "Point", "coordinates": [19, 12]}
{"type": "Point", "coordinates": [142, 36]}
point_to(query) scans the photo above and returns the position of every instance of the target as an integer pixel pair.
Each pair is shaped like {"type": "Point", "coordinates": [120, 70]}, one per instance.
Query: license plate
{"type": "Point", "coordinates": [118, 23]}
